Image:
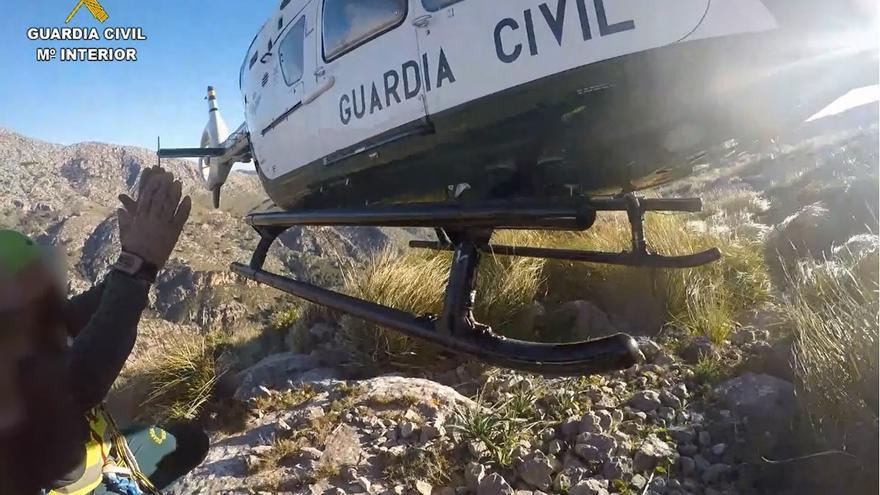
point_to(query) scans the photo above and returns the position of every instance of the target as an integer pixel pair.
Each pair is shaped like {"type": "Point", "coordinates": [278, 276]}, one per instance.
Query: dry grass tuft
{"type": "Point", "coordinates": [180, 375]}
{"type": "Point", "coordinates": [414, 282]}
{"type": "Point", "coordinates": [284, 401]}
{"type": "Point", "coordinates": [433, 463]}
{"type": "Point", "coordinates": [833, 308]}
{"type": "Point", "coordinates": [281, 451]}
{"type": "Point", "coordinates": [506, 284]}
{"type": "Point", "coordinates": [407, 282]}
{"type": "Point", "coordinates": [702, 300]}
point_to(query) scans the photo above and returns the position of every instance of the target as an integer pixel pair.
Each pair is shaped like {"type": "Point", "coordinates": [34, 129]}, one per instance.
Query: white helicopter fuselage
{"type": "Point", "coordinates": [426, 62]}
{"type": "Point", "coordinates": [334, 88]}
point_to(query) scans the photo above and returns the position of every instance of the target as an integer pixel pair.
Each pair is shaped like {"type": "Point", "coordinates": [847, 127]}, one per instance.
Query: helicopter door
{"type": "Point", "coordinates": [369, 65]}
{"type": "Point", "coordinates": [285, 131]}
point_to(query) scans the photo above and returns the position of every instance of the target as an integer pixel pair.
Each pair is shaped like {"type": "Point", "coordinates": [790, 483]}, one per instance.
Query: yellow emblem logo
{"type": "Point", "coordinates": [158, 435]}
{"type": "Point", "coordinates": [95, 8]}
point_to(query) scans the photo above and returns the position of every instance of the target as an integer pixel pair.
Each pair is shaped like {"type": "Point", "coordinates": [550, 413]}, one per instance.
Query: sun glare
{"type": "Point", "coordinates": [854, 98]}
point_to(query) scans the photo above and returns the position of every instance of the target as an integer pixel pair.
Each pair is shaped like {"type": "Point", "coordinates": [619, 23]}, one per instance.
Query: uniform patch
{"type": "Point", "coordinates": [157, 435]}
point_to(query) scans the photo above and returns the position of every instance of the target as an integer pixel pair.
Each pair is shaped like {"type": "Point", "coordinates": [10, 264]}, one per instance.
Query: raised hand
{"type": "Point", "coordinates": [151, 226]}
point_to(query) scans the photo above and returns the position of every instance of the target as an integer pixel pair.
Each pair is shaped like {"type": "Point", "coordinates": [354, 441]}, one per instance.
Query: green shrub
{"type": "Point", "coordinates": [286, 318]}
{"type": "Point", "coordinates": [497, 427]}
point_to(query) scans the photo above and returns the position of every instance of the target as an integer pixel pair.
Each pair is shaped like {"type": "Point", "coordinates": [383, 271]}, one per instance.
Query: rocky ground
{"type": "Point", "coordinates": [648, 429]}
{"type": "Point", "coordinates": [695, 418]}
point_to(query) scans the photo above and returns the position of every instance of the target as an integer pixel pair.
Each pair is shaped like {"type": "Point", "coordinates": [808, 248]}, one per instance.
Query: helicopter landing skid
{"type": "Point", "coordinates": [466, 229]}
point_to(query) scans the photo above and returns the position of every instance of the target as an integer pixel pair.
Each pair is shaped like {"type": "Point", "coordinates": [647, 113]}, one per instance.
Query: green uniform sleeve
{"type": "Point", "coordinates": [101, 348]}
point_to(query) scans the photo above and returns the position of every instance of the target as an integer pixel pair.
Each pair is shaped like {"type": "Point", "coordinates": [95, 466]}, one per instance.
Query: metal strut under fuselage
{"type": "Point", "coordinates": [465, 229]}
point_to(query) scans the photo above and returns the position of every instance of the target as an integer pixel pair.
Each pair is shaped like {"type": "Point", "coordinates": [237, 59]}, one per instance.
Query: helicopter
{"type": "Point", "coordinates": [471, 116]}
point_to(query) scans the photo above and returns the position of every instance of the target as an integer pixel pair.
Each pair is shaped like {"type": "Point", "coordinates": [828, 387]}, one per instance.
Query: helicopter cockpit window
{"type": "Point", "coordinates": [435, 5]}
{"type": "Point", "coordinates": [348, 23]}
{"type": "Point", "coordinates": [290, 52]}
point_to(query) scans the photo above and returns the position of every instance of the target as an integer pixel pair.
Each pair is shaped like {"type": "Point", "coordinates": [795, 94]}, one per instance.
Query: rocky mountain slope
{"type": "Point", "coordinates": [66, 196]}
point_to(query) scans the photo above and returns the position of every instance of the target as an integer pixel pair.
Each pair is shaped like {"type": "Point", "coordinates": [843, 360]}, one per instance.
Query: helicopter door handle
{"type": "Point", "coordinates": [327, 84]}
{"type": "Point", "coordinates": [422, 20]}
{"type": "Point", "coordinates": [320, 71]}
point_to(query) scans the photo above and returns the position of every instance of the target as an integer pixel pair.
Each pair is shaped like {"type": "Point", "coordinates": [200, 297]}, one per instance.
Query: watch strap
{"type": "Point", "coordinates": [135, 266]}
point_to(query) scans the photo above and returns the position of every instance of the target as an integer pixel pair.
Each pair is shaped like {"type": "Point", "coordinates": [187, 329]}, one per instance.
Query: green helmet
{"type": "Point", "coordinates": [25, 273]}
{"type": "Point", "coordinates": [17, 252]}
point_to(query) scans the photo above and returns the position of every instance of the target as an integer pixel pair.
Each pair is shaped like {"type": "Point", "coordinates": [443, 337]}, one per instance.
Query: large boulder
{"type": "Point", "coordinates": [579, 320]}
{"type": "Point", "coordinates": [805, 233]}
{"type": "Point", "coordinates": [342, 447]}
{"type": "Point", "coordinates": [645, 400]}
{"type": "Point", "coordinates": [860, 253]}
{"type": "Point", "coordinates": [765, 404]}
{"type": "Point", "coordinates": [535, 470]}
{"type": "Point", "coordinates": [494, 484]}
{"type": "Point", "coordinates": [276, 372]}
{"type": "Point", "coordinates": [752, 395]}
{"type": "Point", "coordinates": [650, 453]}
{"type": "Point", "coordinates": [441, 399]}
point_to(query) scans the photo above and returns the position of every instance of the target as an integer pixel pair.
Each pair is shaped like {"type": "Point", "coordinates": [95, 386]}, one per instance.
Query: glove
{"type": "Point", "coordinates": [151, 226]}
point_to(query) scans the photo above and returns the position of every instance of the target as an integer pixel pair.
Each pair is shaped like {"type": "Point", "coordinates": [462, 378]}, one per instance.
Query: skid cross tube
{"type": "Point", "coordinates": [638, 256]}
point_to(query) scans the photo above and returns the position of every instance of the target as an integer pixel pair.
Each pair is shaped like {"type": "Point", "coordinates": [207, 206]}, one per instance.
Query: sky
{"type": "Point", "coordinates": [191, 44]}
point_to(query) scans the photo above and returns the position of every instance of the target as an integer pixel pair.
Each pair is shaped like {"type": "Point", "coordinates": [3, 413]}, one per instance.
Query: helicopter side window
{"type": "Point", "coordinates": [349, 23]}
{"type": "Point", "coordinates": [435, 5]}
{"type": "Point", "coordinates": [290, 52]}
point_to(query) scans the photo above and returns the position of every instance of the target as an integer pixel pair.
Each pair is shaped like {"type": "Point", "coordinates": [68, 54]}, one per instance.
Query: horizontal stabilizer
{"type": "Point", "coordinates": [191, 152]}
{"type": "Point", "coordinates": [219, 149]}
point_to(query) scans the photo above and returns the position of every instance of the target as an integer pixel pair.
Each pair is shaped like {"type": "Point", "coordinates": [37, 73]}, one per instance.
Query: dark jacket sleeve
{"type": "Point", "coordinates": [101, 347]}
{"type": "Point", "coordinates": [81, 308]}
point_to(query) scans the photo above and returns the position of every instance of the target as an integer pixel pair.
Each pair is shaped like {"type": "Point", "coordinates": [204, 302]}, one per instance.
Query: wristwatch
{"type": "Point", "coordinates": [135, 266]}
